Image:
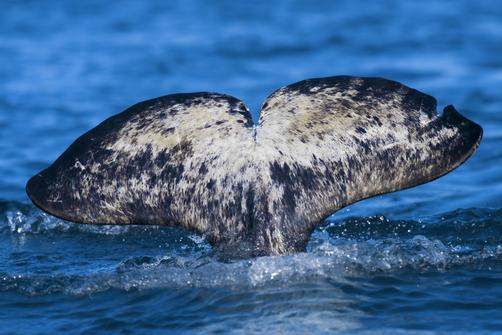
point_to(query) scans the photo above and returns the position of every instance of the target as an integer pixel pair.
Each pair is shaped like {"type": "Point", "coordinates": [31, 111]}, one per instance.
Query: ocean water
{"type": "Point", "coordinates": [421, 261]}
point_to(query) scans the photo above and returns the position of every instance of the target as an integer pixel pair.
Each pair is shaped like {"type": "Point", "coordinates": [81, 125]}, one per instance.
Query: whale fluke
{"type": "Point", "coordinates": [197, 160]}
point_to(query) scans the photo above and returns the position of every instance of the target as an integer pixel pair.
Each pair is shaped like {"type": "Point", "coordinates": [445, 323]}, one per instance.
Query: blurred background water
{"type": "Point", "coordinates": [425, 260]}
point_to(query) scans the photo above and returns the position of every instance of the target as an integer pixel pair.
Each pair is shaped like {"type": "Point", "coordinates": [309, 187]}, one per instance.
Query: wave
{"type": "Point", "coordinates": [355, 246]}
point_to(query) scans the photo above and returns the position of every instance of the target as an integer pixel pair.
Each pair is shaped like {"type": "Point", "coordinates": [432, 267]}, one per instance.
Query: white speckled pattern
{"type": "Point", "coordinates": [197, 160]}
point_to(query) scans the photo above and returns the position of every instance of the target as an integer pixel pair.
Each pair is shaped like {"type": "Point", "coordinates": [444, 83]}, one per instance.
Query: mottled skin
{"type": "Point", "coordinates": [197, 161]}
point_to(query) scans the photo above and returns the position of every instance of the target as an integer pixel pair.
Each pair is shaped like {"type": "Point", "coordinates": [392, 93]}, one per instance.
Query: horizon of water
{"type": "Point", "coordinates": [420, 261]}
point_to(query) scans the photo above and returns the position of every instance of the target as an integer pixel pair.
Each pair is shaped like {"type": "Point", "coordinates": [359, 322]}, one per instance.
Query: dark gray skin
{"type": "Point", "coordinates": [197, 161]}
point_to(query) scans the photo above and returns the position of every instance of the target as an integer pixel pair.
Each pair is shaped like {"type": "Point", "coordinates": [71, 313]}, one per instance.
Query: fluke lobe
{"type": "Point", "coordinates": [197, 161]}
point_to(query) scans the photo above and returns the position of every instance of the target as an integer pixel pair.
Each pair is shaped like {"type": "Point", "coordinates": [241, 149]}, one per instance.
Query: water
{"type": "Point", "coordinates": [421, 261]}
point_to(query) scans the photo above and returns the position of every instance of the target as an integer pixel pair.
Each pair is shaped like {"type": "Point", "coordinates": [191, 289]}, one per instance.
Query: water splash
{"type": "Point", "coordinates": [167, 257]}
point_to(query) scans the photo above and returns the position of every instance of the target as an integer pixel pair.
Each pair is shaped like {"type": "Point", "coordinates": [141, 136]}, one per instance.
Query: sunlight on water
{"type": "Point", "coordinates": [422, 261]}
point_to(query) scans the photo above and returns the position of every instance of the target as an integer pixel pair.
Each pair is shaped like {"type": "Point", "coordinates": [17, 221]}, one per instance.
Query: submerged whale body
{"type": "Point", "coordinates": [197, 161]}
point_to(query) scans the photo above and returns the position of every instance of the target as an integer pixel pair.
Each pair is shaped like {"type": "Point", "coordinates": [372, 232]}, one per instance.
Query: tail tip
{"type": "Point", "coordinates": [472, 132]}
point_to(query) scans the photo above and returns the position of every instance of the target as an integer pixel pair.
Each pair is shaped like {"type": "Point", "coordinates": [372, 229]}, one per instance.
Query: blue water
{"type": "Point", "coordinates": [421, 261]}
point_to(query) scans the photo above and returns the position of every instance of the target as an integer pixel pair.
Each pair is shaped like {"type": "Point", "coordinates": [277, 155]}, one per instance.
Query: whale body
{"type": "Point", "coordinates": [199, 162]}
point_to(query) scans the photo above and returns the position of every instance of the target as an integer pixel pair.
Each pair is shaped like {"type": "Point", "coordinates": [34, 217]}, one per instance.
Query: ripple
{"type": "Point", "coordinates": [353, 247]}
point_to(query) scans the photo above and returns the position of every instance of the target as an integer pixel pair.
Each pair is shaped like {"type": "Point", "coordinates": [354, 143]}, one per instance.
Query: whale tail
{"type": "Point", "coordinates": [197, 161]}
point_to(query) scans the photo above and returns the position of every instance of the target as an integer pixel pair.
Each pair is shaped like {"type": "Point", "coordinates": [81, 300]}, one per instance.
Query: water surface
{"type": "Point", "coordinates": [421, 261]}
